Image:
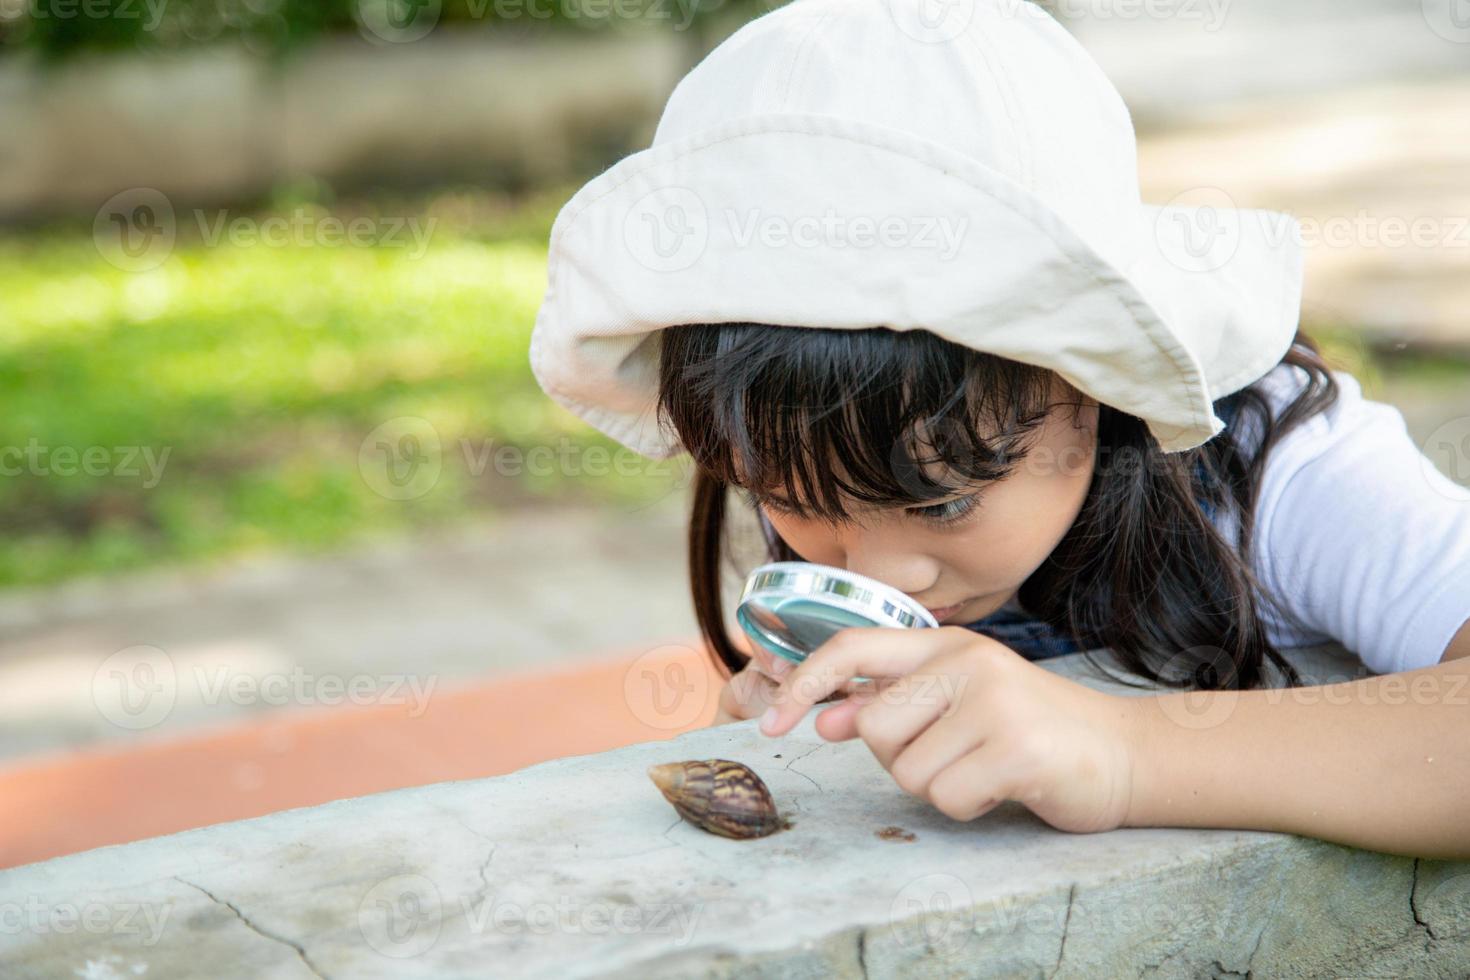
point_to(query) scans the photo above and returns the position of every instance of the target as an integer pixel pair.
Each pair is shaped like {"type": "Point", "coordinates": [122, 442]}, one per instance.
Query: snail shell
{"type": "Point", "coordinates": [719, 796]}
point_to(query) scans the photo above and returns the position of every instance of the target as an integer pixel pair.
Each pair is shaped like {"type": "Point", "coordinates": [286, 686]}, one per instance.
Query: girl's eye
{"type": "Point", "coordinates": [776, 507]}
{"type": "Point", "coordinates": [949, 512]}
{"type": "Point", "coordinates": [768, 503]}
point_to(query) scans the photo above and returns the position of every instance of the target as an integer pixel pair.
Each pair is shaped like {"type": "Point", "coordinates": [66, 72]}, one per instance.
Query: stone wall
{"type": "Point", "coordinates": [578, 867]}
{"type": "Point", "coordinates": [217, 124]}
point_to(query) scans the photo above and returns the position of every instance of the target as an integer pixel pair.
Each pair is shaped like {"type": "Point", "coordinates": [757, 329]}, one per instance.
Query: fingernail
{"type": "Point", "coordinates": [767, 720]}
{"type": "Point", "coordinates": [780, 666]}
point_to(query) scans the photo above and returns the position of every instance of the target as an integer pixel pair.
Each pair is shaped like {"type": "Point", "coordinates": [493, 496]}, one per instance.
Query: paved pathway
{"type": "Point", "coordinates": [1377, 178]}
{"type": "Point", "coordinates": [543, 587]}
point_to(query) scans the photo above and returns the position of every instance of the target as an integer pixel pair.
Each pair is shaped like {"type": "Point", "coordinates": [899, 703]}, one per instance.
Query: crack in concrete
{"type": "Point", "coordinates": [685, 843]}
{"type": "Point", "coordinates": [792, 762]}
{"type": "Point", "coordinates": [1413, 903]}
{"type": "Point", "coordinates": [862, 951]}
{"type": "Point", "coordinates": [248, 924]}
{"type": "Point", "coordinates": [1250, 961]}
{"type": "Point", "coordinates": [677, 843]}
{"type": "Point", "coordinates": [657, 847]}
{"type": "Point", "coordinates": [480, 894]}
{"type": "Point", "coordinates": [1066, 925]}
{"type": "Point", "coordinates": [460, 820]}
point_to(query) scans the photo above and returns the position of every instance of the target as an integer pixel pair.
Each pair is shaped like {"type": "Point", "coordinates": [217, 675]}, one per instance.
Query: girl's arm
{"type": "Point", "coordinates": [1381, 763]}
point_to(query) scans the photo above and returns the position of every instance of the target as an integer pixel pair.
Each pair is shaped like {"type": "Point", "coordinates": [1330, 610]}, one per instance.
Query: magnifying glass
{"type": "Point", "coordinates": [792, 607]}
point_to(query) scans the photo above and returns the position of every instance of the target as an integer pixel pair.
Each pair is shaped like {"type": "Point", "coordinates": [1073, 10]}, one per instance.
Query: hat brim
{"type": "Point", "coordinates": [820, 221]}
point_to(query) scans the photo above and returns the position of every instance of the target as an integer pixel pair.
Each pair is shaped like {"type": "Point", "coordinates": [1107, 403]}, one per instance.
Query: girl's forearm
{"type": "Point", "coordinates": [1381, 763]}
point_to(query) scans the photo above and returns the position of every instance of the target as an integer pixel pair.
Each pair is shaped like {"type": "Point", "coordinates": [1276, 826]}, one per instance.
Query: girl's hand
{"type": "Point", "coordinates": [963, 721]}
{"type": "Point", "coordinates": [749, 693]}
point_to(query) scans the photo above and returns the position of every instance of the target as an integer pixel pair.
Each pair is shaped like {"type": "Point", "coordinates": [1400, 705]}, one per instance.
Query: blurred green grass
{"type": "Point", "coordinates": [268, 381]}
{"type": "Point", "coordinates": [260, 371]}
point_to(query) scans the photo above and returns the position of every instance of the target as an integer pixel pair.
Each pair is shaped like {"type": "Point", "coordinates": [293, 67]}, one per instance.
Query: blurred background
{"type": "Point", "coordinates": [283, 514]}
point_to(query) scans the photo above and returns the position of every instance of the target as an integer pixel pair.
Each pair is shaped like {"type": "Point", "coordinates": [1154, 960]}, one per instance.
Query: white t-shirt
{"type": "Point", "coordinates": [1359, 536]}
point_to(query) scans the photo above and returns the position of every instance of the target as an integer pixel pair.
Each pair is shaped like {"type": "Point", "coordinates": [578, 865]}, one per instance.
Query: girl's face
{"type": "Point", "coordinates": [966, 555]}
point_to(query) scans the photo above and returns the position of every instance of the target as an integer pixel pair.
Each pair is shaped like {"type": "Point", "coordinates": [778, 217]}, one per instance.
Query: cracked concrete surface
{"type": "Point", "coordinates": [245, 920]}
{"type": "Point", "coordinates": [579, 867]}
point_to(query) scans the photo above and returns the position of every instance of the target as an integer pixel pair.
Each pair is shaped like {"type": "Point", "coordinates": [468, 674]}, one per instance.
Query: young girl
{"type": "Point", "coordinates": [885, 277]}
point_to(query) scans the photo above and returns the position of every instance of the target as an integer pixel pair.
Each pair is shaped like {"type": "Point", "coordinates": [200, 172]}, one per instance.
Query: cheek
{"type": "Point", "coordinates": [1046, 499]}
{"type": "Point", "coordinates": [989, 550]}
{"type": "Point", "coordinates": [1019, 524]}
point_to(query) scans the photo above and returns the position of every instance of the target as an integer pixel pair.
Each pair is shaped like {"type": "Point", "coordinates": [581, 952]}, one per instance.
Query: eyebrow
{"type": "Point", "coordinates": [781, 501]}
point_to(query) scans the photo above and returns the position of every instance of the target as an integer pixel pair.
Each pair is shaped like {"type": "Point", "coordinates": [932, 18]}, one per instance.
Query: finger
{"type": "Point", "coordinates": [839, 723]}
{"type": "Point", "coordinates": [748, 694]}
{"type": "Point", "coordinates": [908, 708]}
{"type": "Point", "coordinates": [769, 663]}
{"type": "Point", "coordinates": [835, 724]}
{"type": "Point", "coordinates": [975, 783]}
{"type": "Point", "coordinates": [930, 752]}
{"type": "Point", "coordinates": [858, 652]}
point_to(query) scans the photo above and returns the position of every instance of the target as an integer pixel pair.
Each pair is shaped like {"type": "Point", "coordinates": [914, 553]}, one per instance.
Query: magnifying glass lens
{"type": "Point", "coordinates": [794, 626]}
{"type": "Point", "coordinates": [792, 608]}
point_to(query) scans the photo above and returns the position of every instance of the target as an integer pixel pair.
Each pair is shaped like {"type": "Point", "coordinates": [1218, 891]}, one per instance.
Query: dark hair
{"type": "Point", "coordinates": [1142, 571]}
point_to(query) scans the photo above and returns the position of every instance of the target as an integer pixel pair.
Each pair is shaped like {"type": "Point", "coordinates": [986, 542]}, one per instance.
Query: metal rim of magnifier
{"type": "Point", "coordinates": [881, 604]}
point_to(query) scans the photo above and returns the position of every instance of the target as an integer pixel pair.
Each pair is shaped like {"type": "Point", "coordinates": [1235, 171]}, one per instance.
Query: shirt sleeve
{"type": "Point", "coordinates": [1361, 538]}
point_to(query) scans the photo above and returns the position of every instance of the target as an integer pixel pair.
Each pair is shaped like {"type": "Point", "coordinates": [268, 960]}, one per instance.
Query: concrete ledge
{"type": "Point", "coordinates": [578, 867]}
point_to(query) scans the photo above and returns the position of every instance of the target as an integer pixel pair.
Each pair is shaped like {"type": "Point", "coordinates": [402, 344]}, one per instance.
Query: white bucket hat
{"type": "Point", "coordinates": [964, 168]}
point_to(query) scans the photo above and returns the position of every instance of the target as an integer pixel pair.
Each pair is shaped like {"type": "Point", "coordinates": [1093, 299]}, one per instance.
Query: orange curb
{"type": "Point", "coordinates": [91, 798]}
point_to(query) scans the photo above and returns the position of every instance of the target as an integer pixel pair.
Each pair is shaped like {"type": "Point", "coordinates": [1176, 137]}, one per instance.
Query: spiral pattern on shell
{"type": "Point", "coordinates": [718, 795]}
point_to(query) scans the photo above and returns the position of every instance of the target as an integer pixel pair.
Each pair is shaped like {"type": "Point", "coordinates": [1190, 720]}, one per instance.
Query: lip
{"type": "Point", "coordinates": [941, 613]}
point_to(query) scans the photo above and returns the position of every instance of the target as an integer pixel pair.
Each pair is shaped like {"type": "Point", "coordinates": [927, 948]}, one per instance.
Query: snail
{"type": "Point", "coordinates": [719, 796]}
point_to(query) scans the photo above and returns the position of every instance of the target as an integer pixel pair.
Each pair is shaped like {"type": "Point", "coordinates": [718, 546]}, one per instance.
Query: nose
{"type": "Point", "coordinates": [887, 557]}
